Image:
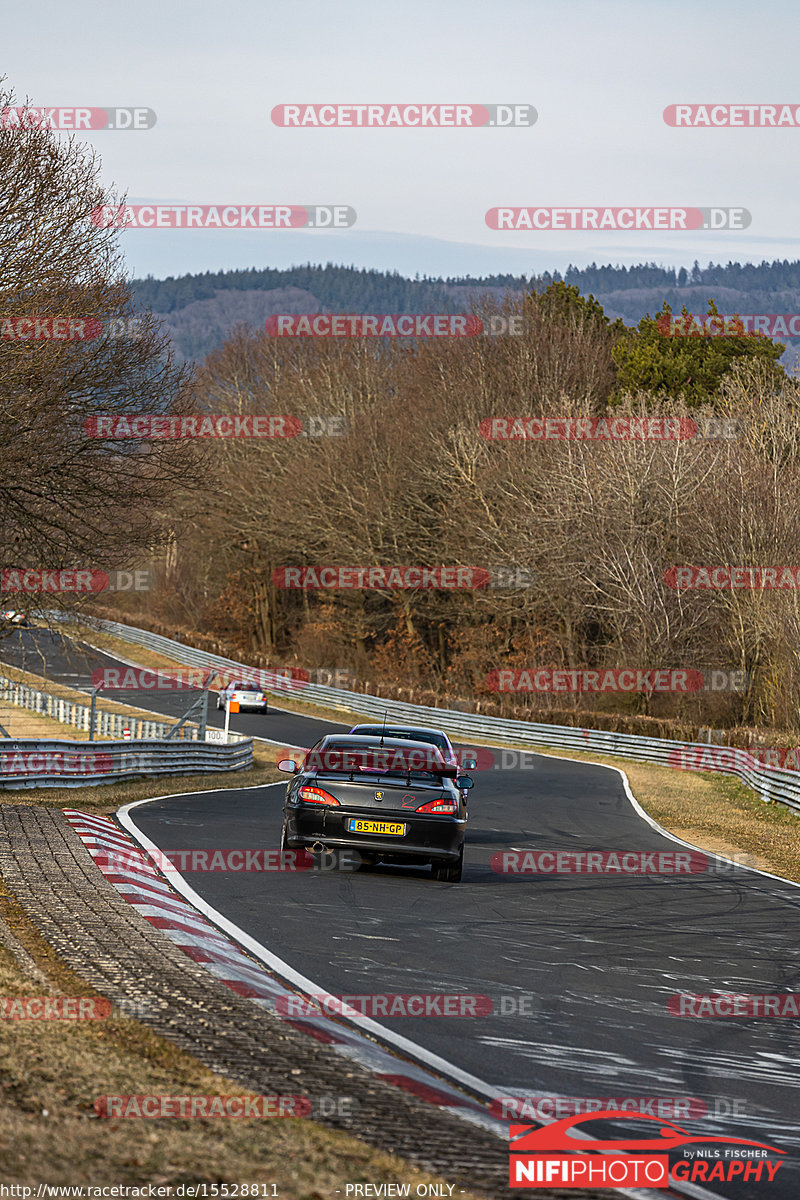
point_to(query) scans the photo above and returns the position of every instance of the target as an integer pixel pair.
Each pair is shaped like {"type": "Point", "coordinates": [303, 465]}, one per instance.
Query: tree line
{"type": "Point", "coordinates": [393, 469]}
{"type": "Point", "coordinates": [591, 528]}
{"type": "Point", "coordinates": [353, 289]}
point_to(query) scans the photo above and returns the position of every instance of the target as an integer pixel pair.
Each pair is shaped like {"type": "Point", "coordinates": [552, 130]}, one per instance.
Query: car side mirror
{"type": "Point", "coordinates": [464, 783]}
{"type": "Point", "coordinates": [288, 765]}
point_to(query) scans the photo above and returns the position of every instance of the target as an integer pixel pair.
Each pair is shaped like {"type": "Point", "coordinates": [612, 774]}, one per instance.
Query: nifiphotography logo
{"type": "Point", "coordinates": [550, 1157]}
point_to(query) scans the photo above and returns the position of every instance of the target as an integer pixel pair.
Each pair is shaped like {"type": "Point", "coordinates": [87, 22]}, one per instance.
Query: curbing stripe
{"type": "Point", "coordinates": [204, 943]}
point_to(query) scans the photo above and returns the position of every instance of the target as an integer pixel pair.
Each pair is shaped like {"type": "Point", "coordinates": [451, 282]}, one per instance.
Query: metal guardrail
{"type": "Point", "coordinates": [68, 712]}
{"type": "Point", "coordinates": [106, 724]}
{"type": "Point", "coordinates": [53, 762]}
{"type": "Point", "coordinates": [773, 783]}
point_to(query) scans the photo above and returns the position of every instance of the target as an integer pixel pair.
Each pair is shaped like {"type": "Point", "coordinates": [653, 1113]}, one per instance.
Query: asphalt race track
{"type": "Point", "coordinates": [590, 959]}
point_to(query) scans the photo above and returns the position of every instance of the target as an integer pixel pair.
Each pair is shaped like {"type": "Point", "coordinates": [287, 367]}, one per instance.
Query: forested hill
{"type": "Point", "coordinates": [199, 310]}
{"type": "Point", "coordinates": [336, 288]}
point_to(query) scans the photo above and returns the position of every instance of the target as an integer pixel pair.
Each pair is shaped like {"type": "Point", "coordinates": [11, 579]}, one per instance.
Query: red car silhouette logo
{"type": "Point", "coordinates": [529, 1139]}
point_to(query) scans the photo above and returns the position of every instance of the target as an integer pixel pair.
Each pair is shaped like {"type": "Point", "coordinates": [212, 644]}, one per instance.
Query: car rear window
{"type": "Point", "coordinates": [354, 758]}
{"type": "Point", "coordinates": [409, 736]}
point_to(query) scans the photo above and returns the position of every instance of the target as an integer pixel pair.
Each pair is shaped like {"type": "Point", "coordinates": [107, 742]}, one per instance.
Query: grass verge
{"type": "Point", "coordinates": [52, 1071]}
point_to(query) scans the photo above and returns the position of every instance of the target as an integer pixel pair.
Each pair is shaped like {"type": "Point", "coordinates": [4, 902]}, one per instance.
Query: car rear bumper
{"type": "Point", "coordinates": [425, 838]}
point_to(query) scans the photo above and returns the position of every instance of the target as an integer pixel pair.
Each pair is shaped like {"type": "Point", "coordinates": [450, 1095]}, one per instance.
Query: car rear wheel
{"type": "Point", "coordinates": [449, 872]}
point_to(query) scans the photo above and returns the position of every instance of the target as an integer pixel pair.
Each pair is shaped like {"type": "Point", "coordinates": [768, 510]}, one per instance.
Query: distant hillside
{"type": "Point", "coordinates": [200, 310]}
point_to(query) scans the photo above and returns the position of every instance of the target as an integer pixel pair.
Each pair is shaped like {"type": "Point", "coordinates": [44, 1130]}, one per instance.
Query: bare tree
{"type": "Point", "coordinates": [68, 499]}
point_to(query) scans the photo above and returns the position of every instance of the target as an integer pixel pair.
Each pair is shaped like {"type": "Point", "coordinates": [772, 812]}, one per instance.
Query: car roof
{"type": "Point", "coordinates": [371, 741]}
{"type": "Point", "coordinates": [404, 728]}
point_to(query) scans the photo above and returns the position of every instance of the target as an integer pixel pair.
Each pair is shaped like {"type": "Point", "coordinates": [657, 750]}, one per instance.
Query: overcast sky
{"type": "Point", "coordinates": [598, 72]}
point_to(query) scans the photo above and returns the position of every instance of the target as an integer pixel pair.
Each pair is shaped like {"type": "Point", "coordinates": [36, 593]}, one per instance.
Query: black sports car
{"type": "Point", "coordinates": [390, 799]}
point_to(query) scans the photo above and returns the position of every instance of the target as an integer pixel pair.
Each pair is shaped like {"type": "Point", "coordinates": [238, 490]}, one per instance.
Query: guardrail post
{"type": "Point", "coordinates": [93, 712]}
{"type": "Point", "coordinates": [201, 737]}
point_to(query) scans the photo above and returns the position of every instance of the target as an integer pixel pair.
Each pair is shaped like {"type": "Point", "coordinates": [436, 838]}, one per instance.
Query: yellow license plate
{"type": "Point", "coordinates": [357, 826]}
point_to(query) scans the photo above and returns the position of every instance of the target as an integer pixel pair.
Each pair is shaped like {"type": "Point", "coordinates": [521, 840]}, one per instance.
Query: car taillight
{"type": "Point", "coordinates": [442, 805]}
{"type": "Point", "coordinates": [315, 795]}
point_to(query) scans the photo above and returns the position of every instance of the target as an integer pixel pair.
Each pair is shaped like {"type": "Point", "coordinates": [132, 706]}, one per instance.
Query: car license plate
{"type": "Point", "coordinates": [359, 826]}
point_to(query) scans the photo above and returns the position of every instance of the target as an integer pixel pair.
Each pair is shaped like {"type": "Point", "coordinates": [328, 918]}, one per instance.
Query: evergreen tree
{"type": "Point", "coordinates": [651, 359]}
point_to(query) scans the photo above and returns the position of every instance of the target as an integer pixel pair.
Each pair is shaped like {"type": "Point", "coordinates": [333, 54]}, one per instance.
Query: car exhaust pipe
{"type": "Point", "coordinates": [318, 848]}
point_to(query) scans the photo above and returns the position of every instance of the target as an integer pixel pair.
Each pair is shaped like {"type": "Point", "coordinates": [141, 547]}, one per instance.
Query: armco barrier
{"type": "Point", "coordinates": [773, 783]}
{"type": "Point", "coordinates": [106, 724]}
{"type": "Point", "coordinates": [68, 712]}
{"type": "Point", "coordinates": [32, 762]}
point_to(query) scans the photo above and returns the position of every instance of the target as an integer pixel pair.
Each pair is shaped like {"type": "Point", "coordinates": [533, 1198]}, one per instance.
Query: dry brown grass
{"type": "Point", "coordinates": [715, 812]}
{"type": "Point", "coordinates": [51, 1072]}
{"type": "Point", "coordinates": [721, 815]}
